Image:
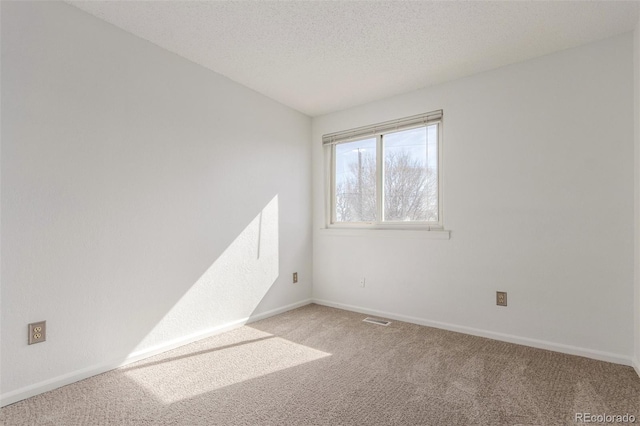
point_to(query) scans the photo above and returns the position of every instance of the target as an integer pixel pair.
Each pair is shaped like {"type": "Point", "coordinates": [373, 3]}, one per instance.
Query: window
{"type": "Point", "coordinates": [387, 175]}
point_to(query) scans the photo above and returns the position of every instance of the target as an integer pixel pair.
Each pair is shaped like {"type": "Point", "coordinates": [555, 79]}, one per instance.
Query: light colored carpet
{"type": "Point", "coordinates": [322, 366]}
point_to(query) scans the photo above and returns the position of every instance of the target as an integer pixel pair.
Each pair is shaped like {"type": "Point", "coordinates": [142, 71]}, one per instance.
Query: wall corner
{"type": "Point", "coordinates": [636, 144]}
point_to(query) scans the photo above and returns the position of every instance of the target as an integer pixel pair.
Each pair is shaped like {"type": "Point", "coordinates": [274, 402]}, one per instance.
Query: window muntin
{"type": "Point", "coordinates": [390, 179]}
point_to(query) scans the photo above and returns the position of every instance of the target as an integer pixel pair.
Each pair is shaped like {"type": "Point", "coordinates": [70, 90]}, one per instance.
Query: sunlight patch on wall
{"type": "Point", "coordinates": [231, 288]}
{"type": "Point", "coordinates": [214, 363]}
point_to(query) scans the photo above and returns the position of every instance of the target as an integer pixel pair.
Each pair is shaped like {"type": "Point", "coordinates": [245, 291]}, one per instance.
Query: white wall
{"type": "Point", "coordinates": [145, 199]}
{"type": "Point", "coordinates": [636, 51]}
{"type": "Point", "coordinates": [538, 195]}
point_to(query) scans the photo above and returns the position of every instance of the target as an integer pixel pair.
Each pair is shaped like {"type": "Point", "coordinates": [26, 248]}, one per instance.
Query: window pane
{"type": "Point", "coordinates": [411, 175]}
{"type": "Point", "coordinates": [355, 181]}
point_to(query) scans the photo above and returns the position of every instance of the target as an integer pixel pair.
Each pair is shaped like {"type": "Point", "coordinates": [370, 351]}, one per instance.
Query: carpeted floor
{"type": "Point", "coordinates": [322, 366]}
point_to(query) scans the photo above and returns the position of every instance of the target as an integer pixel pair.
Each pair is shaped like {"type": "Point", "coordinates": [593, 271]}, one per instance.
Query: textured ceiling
{"type": "Point", "coordinates": [320, 57]}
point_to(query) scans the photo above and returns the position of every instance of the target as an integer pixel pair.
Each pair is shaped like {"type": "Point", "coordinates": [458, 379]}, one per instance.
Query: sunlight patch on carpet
{"type": "Point", "coordinates": [210, 369]}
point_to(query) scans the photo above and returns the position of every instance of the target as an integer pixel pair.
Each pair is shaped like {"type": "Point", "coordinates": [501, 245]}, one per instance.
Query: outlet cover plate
{"type": "Point", "coordinates": [501, 298]}
{"type": "Point", "coordinates": [37, 332]}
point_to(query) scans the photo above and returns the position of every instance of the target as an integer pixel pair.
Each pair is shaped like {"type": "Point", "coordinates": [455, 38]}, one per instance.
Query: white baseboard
{"type": "Point", "coordinates": [74, 376]}
{"type": "Point", "coordinates": [636, 366]}
{"type": "Point", "coordinates": [277, 311]}
{"type": "Point", "coordinates": [540, 344]}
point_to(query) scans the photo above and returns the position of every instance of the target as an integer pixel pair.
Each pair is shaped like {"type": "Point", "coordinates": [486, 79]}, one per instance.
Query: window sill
{"type": "Point", "coordinates": [438, 234]}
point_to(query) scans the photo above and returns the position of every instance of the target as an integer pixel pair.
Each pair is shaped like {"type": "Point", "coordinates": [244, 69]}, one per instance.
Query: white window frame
{"type": "Point", "coordinates": [378, 131]}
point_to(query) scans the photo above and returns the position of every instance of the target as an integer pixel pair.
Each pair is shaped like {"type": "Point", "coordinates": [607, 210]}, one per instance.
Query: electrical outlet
{"type": "Point", "coordinates": [501, 298]}
{"type": "Point", "coordinates": [295, 277]}
{"type": "Point", "coordinates": [37, 332]}
{"type": "Point", "coordinates": [362, 282]}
